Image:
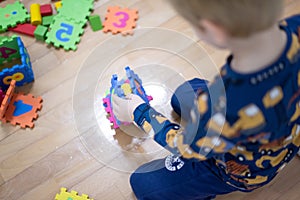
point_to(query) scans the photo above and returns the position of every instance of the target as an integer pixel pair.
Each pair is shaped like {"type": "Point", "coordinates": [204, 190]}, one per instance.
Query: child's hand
{"type": "Point", "coordinates": [124, 108]}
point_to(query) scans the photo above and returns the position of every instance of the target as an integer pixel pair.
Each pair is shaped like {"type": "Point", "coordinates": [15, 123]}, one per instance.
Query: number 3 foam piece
{"type": "Point", "coordinates": [12, 14]}
{"type": "Point", "coordinates": [65, 33]}
{"type": "Point", "coordinates": [119, 20]}
{"type": "Point", "coordinates": [12, 51]}
{"type": "Point", "coordinates": [19, 109]}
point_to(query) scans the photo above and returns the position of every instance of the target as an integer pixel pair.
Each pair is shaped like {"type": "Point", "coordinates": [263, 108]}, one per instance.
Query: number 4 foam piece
{"type": "Point", "coordinates": [40, 32]}
{"type": "Point", "coordinates": [27, 29]}
{"type": "Point", "coordinates": [95, 22]}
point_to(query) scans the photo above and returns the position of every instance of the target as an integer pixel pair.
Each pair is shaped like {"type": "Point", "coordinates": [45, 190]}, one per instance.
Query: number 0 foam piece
{"type": "Point", "coordinates": [12, 14]}
{"type": "Point", "coordinates": [19, 109]}
{"type": "Point", "coordinates": [73, 195]}
{"type": "Point", "coordinates": [120, 20]}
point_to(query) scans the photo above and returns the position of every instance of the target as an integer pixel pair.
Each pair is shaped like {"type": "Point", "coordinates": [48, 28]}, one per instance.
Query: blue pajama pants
{"type": "Point", "coordinates": [193, 180]}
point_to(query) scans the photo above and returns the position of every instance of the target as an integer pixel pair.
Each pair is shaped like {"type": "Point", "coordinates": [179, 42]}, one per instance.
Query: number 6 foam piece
{"type": "Point", "coordinates": [119, 20]}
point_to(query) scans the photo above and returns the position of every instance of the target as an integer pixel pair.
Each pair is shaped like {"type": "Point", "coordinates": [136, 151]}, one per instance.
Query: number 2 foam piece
{"type": "Point", "coordinates": [120, 20]}
{"type": "Point", "coordinates": [12, 14]}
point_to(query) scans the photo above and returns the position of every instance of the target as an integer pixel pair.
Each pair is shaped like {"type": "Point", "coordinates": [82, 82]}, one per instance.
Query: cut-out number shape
{"type": "Point", "coordinates": [6, 52]}
{"type": "Point", "coordinates": [17, 77]}
{"type": "Point", "coordinates": [122, 21]}
{"type": "Point", "coordinates": [66, 29]}
{"type": "Point", "coordinates": [21, 108]}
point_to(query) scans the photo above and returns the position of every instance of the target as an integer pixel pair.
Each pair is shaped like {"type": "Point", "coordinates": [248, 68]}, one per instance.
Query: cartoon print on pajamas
{"type": "Point", "coordinates": [250, 119]}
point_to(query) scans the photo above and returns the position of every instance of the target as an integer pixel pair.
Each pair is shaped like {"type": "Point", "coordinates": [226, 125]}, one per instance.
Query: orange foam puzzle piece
{"type": "Point", "coordinates": [119, 20]}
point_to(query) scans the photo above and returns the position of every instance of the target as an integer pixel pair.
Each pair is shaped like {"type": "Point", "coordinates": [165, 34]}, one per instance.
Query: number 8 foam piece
{"type": "Point", "coordinates": [119, 20]}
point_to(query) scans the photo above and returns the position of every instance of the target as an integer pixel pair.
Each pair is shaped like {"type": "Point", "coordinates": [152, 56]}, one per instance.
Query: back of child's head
{"type": "Point", "coordinates": [240, 18]}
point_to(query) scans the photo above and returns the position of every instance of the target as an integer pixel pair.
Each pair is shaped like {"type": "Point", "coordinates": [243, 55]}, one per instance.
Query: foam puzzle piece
{"type": "Point", "coordinates": [133, 84]}
{"type": "Point", "coordinates": [26, 29]}
{"type": "Point", "coordinates": [95, 22]}
{"type": "Point", "coordinates": [40, 32]}
{"type": "Point", "coordinates": [65, 32]}
{"type": "Point", "coordinates": [12, 14]}
{"type": "Point", "coordinates": [9, 49]}
{"type": "Point", "coordinates": [120, 20]}
{"type": "Point", "coordinates": [2, 95]}
{"type": "Point", "coordinates": [78, 11]}
{"type": "Point", "coordinates": [73, 195]}
{"type": "Point", "coordinates": [21, 73]}
{"type": "Point", "coordinates": [58, 5]}
{"type": "Point", "coordinates": [19, 109]}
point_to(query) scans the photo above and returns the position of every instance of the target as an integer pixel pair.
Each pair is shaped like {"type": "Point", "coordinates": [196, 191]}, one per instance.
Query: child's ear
{"type": "Point", "coordinates": [217, 32]}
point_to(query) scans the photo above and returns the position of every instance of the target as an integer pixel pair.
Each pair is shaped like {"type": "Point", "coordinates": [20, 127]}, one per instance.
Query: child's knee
{"type": "Point", "coordinates": [136, 184]}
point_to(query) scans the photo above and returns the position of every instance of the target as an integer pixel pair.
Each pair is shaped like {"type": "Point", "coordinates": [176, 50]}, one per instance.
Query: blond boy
{"type": "Point", "coordinates": [242, 127]}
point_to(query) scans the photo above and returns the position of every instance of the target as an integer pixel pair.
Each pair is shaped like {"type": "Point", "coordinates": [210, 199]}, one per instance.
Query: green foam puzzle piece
{"type": "Point", "coordinates": [40, 32]}
{"type": "Point", "coordinates": [95, 22]}
{"type": "Point", "coordinates": [12, 14]}
{"type": "Point", "coordinates": [78, 10]}
{"type": "Point", "coordinates": [47, 20]}
{"type": "Point", "coordinates": [65, 33]}
{"type": "Point", "coordinates": [9, 49]}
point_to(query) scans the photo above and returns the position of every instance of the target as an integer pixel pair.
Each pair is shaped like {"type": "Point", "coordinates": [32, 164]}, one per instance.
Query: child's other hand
{"type": "Point", "coordinates": [124, 108]}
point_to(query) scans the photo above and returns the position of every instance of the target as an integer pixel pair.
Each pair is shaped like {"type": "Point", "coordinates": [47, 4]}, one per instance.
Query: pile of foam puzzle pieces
{"type": "Point", "coordinates": [131, 85]}
{"type": "Point", "coordinates": [16, 70]}
{"type": "Point", "coordinates": [64, 28]}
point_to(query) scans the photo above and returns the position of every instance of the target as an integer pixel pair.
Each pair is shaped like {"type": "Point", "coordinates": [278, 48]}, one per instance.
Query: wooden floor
{"type": "Point", "coordinates": [72, 145]}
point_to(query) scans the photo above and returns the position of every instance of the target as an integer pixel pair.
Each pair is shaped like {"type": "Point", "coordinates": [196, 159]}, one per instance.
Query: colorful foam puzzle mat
{"type": "Point", "coordinates": [131, 85]}
{"type": "Point", "coordinates": [12, 51]}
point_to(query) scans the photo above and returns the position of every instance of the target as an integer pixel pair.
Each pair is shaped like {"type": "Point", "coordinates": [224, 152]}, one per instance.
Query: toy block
{"type": "Point", "coordinates": [95, 22]}
{"type": "Point", "coordinates": [35, 14]}
{"type": "Point", "coordinates": [40, 32]}
{"type": "Point", "coordinates": [121, 88]}
{"type": "Point", "coordinates": [73, 195]}
{"type": "Point", "coordinates": [13, 49]}
{"type": "Point", "coordinates": [120, 20]}
{"type": "Point", "coordinates": [12, 14]}
{"type": "Point", "coordinates": [46, 10]}
{"type": "Point", "coordinates": [27, 29]}
{"type": "Point", "coordinates": [47, 20]}
{"type": "Point", "coordinates": [58, 5]}
{"type": "Point", "coordinates": [19, 109]}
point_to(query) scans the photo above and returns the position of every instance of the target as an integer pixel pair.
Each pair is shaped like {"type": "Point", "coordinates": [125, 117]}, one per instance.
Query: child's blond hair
{"type": "Point", "coordinates": [240, 18]}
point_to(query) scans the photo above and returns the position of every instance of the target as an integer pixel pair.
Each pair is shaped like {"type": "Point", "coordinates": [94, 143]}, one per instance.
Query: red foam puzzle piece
{"type": "Point", "coordinates": [27, 29]}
